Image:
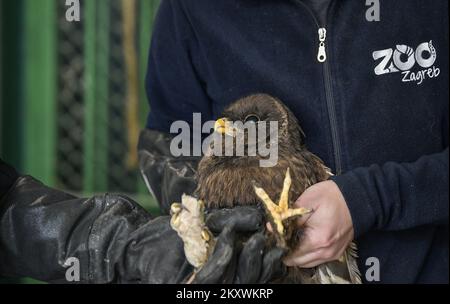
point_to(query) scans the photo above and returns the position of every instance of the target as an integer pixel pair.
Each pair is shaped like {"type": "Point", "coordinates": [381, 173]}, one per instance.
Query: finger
{"type": "Point", "coordinates": [306, 244]}
{"type": "Point", "coordinates": [314, 264]}
{"type": "Point", "coordinates": [250, 260]}
{"type": "Point", "coordinates": [272, 265]}
{"type": "Point", "coordinates": [244, 219]}
{"type": "Point", "coordinates": [304, 260]}
{"type": "Point", "coordinates": [326, 256]}
{"type": "Point", "coordinates": [300, 260]}
{"type": "Point", "coordinates": [218, 266]}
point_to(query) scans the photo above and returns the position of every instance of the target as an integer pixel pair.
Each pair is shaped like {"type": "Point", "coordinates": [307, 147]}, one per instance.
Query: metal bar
{"type": "Point", "coordinates": [101, 123]}
{"type": "Point", "coordinates": [11, 20]}
{"type": "Point", "coordinates": [147, 10]}
{"type": "Point", "coordinates": [40, 89]}
{"type": "Point", "coordinates": [132, 80]}
{"type": "Point", "coordinates": [89, 94]}
{"type": "Point", "coordinates": [1, 77]}
{"type": "Point", "coordinates": [97, 18]}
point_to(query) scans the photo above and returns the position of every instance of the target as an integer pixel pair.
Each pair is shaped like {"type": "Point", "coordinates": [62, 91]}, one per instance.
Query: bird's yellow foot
{"type": "Point", "coordinates": [279, 213]}
{"type": "Point", "coordinates": [188, 220]}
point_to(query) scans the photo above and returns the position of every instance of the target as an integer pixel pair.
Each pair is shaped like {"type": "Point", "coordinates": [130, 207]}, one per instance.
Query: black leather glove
{"type": "Point", "coordinates": [166, 176]}
{"type": "Point", "coordinates": [154, 255]}
{"type": "Point", "coordinates": [8, 176]}
{"type": "Point", "coordinates": [240, 258]}
{"type": "Point", "coordinates": [113, 238]}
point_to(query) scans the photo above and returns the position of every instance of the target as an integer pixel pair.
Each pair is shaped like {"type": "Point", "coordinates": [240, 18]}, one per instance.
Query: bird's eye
{"type": "Point", "coordinates": [252, 118]}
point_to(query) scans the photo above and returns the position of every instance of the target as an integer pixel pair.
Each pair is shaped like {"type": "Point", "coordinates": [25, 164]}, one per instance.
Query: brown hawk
{"type": "Point", "coordinates": [228, 181]}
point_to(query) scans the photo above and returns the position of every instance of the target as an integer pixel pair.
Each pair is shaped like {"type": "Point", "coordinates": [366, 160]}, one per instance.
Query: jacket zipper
{"type": "Point", "coordinates": [322, 58]}
{"type": "Point", "coordinates": [322, 54]}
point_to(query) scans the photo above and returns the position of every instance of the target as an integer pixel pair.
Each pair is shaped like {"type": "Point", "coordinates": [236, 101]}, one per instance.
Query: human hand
{"type": "Point", "coordinates": [327, 231]}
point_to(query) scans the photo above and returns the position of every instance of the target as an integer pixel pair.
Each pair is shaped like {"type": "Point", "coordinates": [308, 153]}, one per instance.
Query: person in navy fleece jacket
{"type": "Point", "coordinates": [374, 108]}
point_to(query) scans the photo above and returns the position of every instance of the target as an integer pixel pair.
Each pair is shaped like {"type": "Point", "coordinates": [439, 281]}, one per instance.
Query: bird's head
{"type": "Point", "coordinates": [259, 111]}
{"type": "Point", "coordinates": [227, 180]}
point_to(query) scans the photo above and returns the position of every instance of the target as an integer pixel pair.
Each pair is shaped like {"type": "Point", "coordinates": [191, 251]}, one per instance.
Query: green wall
{"type": "Point", "coordinates": [29, 85]}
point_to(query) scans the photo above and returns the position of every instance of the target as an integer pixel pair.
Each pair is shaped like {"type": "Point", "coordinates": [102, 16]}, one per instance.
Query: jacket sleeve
{"type": "Point", "coordinates": [43, 231]}
{"type": "Point", "coordinates": [398, 196]}
{"type": "Point", "coordinates": [175, 89]}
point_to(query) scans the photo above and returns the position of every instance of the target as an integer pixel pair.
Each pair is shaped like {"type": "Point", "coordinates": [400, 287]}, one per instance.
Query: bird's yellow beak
{"type": "Point", "coordinates": [221, 126]}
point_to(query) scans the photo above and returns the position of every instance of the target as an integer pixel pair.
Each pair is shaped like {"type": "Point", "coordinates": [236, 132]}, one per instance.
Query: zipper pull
{"type": "Point", "coordinates": [322, 55]}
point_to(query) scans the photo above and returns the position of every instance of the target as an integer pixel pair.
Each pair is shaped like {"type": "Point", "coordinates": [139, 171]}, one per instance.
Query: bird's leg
{"type": "Point", "coordinates": [188, 220]}
{"type": "Point", "coordinates": [281, 212]}
{"type": "Point", "coordinates": [273, 210]}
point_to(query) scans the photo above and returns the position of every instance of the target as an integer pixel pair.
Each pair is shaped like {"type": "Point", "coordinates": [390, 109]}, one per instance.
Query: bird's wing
{"type": "Point", "coordinates": [343, 271]}
{"type": "Point", "coordinates": [351, 256]}
{"type": "Point", "coordinates": [326, 276]}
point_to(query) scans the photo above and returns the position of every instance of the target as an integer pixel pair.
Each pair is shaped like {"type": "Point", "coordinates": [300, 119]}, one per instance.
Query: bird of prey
{"type": "Point", "coordinates": [228, 181]}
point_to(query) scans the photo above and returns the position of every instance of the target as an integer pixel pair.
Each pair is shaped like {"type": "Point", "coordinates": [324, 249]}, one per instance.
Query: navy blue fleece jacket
{"type": "Point", "coordinates": [376, 111]}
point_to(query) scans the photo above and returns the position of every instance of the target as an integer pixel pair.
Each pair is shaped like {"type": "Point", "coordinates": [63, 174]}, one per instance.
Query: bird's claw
{"type": "Point", "coordinates": [281, 212]}
{"type": "Point", "coordinates": [187, 219]}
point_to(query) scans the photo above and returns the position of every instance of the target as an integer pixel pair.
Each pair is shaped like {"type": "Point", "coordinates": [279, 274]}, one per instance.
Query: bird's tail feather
{"type": "Point", "coordinates": [351, 256]}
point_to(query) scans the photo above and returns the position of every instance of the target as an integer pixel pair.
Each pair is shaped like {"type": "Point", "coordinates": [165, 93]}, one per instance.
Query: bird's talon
{"type": "Point", "coordinates": [281, 212]}
{"type": "Point", "coordinates": [188, 220]}
{"type": "Point", "coordinates": [206, 235]}
{"type": "Point", "coordinates": [175, 220]}
{"type": "Point", "coordinates": [175, 208]}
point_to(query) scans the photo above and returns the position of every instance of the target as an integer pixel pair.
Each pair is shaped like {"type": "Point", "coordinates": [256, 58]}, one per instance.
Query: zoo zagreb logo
{"type": "Point", "coordinates": [415, 65]}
